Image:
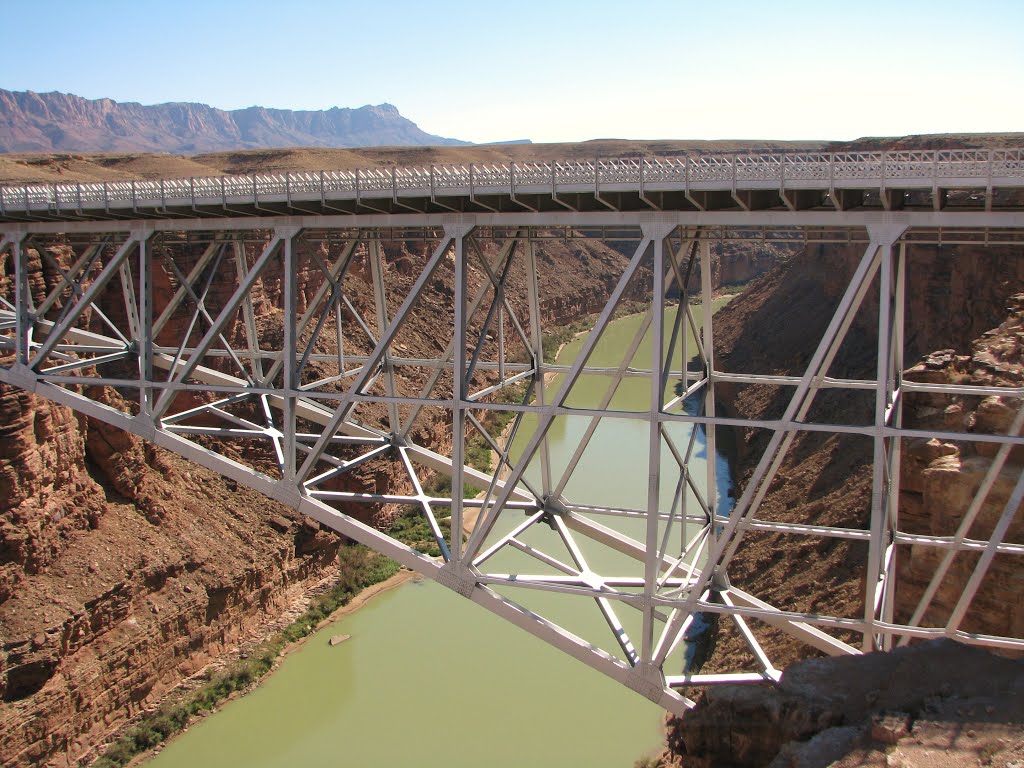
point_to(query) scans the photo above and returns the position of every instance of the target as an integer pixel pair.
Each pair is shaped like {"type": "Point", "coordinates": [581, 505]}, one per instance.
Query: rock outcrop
{"type": "Point", "coordinates": [940, 480]}
{"type": "Point", "coordinates": [959, 294]}
{"type": "Point", "coordinates": [934, 704]}
{"type": "Point", "coordinates": [123, 568]}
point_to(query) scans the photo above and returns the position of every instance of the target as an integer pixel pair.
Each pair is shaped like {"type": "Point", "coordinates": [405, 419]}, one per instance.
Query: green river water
{"type": "Point", "coordinates": [429, 679]}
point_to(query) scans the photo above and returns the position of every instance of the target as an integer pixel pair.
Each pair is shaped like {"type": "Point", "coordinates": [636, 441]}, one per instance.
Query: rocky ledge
{"type": "Point", "coordinates": [934, 704]}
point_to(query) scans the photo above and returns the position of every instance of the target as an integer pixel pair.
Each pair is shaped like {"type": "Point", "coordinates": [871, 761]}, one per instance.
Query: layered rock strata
{"type": "Point", "coordinates": [934, 704]}
{"type": "Point", "coordinates": [957, 295]}
{"type": "Point", "coordinates": [124, 569]}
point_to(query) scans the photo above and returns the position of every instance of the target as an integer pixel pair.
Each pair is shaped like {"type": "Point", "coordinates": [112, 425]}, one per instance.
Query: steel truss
{"type": "Point", "coordinates": [206, 335]}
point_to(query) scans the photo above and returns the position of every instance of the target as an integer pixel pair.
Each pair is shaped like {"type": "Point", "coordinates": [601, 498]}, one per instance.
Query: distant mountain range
{"type": "Point", "coordinates": [55, 122]}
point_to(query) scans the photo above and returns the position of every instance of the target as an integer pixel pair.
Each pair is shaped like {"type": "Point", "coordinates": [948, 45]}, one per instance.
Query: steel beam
{"type": "Point", "coordinates": [662, 577]}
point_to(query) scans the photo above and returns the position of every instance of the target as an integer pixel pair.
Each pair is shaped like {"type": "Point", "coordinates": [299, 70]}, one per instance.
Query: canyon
{"type": "Point", "coordinates": [123, 569]}
{"type": "Point", "coordinates": [966, 303]}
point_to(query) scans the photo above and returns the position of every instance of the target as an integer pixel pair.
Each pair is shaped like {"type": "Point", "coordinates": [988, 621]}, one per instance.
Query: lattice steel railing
{"type": "Point", "coordinates": [989, 168]}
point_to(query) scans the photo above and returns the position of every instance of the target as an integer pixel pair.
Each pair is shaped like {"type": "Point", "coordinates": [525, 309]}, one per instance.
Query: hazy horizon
{"type": "Point", "coordinates": [566, 72]}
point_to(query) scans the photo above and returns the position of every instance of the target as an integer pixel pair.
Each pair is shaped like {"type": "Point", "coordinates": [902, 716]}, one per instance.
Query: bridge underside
{"type": "Point", "coordinates": [362, 367]}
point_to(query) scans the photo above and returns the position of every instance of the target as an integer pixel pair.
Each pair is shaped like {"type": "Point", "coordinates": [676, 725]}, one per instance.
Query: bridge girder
{"type": "Point", "coordinates": [172, 316]}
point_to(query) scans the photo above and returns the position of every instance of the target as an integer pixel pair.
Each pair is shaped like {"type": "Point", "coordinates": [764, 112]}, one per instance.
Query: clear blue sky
{"type": "Point", "coordinates": [548, 71]}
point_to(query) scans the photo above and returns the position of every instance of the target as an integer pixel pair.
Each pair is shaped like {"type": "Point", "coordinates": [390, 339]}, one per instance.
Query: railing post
{"type": "Point", "coordinates": [988, 185]}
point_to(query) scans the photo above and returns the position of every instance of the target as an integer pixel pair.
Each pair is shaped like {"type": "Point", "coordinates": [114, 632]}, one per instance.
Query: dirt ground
{"type": "Point", "coordinates": [94, 166]}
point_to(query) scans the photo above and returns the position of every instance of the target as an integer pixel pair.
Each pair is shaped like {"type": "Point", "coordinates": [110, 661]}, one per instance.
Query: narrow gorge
{"type": "Point", "coordinates": [965, 303]}
{"type": "Point", "coordinates": [124, 569]}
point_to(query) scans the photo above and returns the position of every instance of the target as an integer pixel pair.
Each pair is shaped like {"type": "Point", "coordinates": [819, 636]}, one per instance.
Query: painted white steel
{"type": "Point", "coordinates": [659, 587]}
{"type": "Point", "coordinates": [902, 170]}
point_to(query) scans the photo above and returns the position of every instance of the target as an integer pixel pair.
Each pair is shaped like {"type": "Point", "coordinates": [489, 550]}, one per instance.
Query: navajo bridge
{"type": "Point", "coordinates": [152, 295]}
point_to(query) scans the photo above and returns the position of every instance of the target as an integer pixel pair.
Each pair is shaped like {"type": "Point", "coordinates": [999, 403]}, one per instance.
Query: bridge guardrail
{"type": "Point", "coordinates": [869, 168]}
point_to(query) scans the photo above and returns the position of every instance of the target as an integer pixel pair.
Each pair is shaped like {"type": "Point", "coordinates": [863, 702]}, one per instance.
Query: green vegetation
{"type": "Point", "coordinates": [554, 339]}
{"type": "Point", "coordinates": [441, 486]}
{"type": "Point", "coordinates": [732, 290]}
{"type": "Point", "coordinates": [412, 528]}
{"type": "Point", "coordinates": [359, 568]}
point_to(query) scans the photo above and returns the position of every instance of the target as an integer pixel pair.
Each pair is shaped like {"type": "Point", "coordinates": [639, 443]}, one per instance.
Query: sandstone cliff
{"type": "Point", "coordinates": [936, 704]}
{"type": "Point", "coordinates": [940, 479]}
{"type": "Point", "coordinates": [124, 569]}
{"type": "Point", "coordinates": [958, 294]}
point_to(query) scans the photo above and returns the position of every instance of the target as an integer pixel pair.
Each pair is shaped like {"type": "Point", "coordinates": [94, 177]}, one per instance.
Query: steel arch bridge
{"type": "Point", "coordinates": [184, 298]}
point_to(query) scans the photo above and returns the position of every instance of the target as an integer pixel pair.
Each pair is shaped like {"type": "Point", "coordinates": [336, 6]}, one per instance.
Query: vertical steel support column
{"type": "Point", "coordinates": [501, 337]}
{"type": "Point", "coordinates": [680, 322]}
{"type": "Point", "coordinates": [876, 584]}
{"type": "Point", "coordinates": [145, 340]}
{"type": "Point", "coordinates": [289, 383]}
{"type": "Point", "coordinates": [651, 558]}
{"type": "Point", "coordinates": [22, 299]}
{"type": "Point", "coordinates": [459, 398]}
{"type": "Point", "coordinates": [249, 316]}
{"type": "Point", "coordinates": [684, 335]}
{"type": "Point", "coordinates": [708, 339]}
{"type": "Point", "coordinates": [726, 544]}
{"type": "Point", "coordinates": [537, 334]}
{"type": "Point", "coordinates": [894, 445]}
{"type": "Point", "coordinates": [383, 319]}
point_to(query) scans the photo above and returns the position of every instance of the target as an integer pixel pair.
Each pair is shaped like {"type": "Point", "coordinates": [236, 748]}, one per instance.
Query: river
{"type": "Point", "coordinates": [429, 679]}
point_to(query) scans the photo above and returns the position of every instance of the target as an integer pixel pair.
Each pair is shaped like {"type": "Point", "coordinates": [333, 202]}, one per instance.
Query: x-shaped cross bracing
{"type": "Point", "coordinates": [322, 398]}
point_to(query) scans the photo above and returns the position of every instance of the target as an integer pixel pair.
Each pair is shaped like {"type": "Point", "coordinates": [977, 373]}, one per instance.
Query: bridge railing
{"type": "Point", "coordinates": [828, 169]}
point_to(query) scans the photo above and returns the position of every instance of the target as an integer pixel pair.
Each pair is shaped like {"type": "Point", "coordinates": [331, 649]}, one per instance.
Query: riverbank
{"type": "Point", "coordinates": [357, 602]}
{"type": "Point", "coordinates": [326, 701]}
{"type": "Point", "coordinates": [328, 663]}
{"type": "Point", "coordinates": [361, 575]}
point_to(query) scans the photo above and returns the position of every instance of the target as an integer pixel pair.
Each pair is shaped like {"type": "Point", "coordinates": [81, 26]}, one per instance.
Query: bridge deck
{"type": "Point", "coordinates": [939, 180]}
